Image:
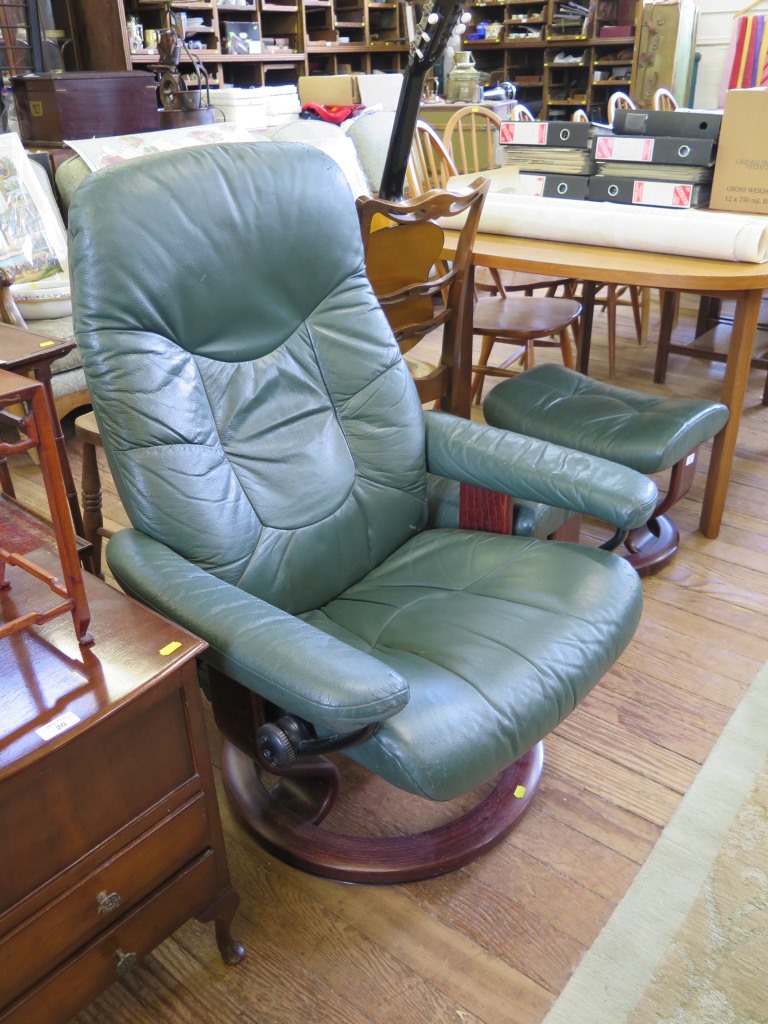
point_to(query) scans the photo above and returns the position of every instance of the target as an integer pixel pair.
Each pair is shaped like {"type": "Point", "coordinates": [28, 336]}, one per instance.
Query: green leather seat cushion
{"type": "Point", "coordinates": [645, 432]}
{"type": "Point", "coordinates": [499, 638]}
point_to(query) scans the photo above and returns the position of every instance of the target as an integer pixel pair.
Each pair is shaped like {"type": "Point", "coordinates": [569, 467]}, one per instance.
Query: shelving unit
{"type": "Point", "coordinates": [279, 58]}
{"type": "Point", "coordinates": [560, 57]}
{"type": "Point", "coordinates": [346, 36]}
{"type": "Point", "coordinates": [298, 37]}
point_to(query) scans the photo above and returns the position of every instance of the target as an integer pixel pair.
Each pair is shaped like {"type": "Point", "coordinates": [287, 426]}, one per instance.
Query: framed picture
{"type": "Point", "coordinates": [33, 246]}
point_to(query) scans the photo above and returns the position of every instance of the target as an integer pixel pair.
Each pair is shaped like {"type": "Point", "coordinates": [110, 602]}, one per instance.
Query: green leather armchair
{"type": "Point", "coordinates": [269, 447]}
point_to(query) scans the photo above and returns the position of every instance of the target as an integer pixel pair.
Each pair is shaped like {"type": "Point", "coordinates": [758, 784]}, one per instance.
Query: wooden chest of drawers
{"type": "Point", "coordinates": [111, 835]}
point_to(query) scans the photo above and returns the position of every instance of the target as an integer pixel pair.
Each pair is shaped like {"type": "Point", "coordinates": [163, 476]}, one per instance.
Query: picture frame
{"type": "Point", "coordinates": [33, 245]}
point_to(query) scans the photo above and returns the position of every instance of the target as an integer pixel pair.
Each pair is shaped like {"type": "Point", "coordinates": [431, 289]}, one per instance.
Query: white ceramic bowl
{"type": "Point", "coordinates": [41, 300]}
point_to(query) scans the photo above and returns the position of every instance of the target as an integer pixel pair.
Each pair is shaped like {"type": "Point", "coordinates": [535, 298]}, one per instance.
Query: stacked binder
{"type": "Point", "coordinates": [656, 158]}
{"type": "Point", "coordinates": [553, 157]}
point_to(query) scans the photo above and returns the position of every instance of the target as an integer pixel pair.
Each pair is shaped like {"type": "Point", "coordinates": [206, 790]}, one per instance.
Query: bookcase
{"type": "Point", "coordinates": [292, 37]}
{"type": "Point", "coordinates": [277, 30]}
{"type": "Point", "coordinates": [561, 54]}
{"type": "Point", "coordinates": [344, 36]}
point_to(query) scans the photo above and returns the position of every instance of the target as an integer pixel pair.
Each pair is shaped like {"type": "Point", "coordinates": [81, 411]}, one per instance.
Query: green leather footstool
{"type": "Point", "coordinates": [647, 433]}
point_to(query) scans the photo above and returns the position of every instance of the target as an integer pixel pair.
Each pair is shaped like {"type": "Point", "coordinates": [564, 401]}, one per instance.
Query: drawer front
{"type": "Point", "coordinates": [77, 983]}
{"type": "Point", "coordinates": [61, 808]}
{"type": "Point", "coordinates": [49, 937]}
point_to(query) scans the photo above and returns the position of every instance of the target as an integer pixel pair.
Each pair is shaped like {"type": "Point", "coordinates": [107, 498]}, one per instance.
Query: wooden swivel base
{"type": "Point", "coordinates": [652, 546]}
{"type": "Point", "coordinates": [285, 818]}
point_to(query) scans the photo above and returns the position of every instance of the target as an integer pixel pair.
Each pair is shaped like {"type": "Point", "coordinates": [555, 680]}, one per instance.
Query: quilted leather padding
{"type": "Point", "coordinates": [225, 377]}
{"type": "Point", "coordinates": [499, 639]}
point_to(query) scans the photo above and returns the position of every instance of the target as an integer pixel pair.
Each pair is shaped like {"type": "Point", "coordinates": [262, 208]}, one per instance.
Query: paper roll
{"type": "Point", "coordinates": [708, 234]}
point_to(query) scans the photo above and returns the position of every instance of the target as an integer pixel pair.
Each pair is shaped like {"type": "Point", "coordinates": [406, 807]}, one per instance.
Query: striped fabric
{"type": "Point", "coordinates": [747, 59]}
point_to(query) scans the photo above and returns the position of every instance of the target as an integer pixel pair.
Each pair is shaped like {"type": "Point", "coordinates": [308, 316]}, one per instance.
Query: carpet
{"type": "Point", "coordinates": [688, 944]}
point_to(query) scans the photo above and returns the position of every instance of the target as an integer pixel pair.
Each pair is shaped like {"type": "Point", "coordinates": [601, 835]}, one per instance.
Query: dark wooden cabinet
{"type": "Point", "coordinates": [111, 834]}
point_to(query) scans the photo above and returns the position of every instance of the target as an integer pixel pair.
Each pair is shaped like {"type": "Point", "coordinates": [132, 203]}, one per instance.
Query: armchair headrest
{"type": "Point", "coordinates": [215, 230]}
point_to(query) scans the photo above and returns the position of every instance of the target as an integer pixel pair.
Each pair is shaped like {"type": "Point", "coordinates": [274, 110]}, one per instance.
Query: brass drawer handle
{"type": "Point", "coordinates": [106, 902]}
{"type": "Point", "coordinates": [125, 962]}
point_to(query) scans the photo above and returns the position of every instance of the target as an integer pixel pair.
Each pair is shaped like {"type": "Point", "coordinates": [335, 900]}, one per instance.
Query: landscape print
{"type": "Point", "coordinates": [27, 249]}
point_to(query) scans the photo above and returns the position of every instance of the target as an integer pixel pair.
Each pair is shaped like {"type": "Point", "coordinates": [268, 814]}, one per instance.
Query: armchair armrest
{"type": "Point", "coordinates": [533, 470]}
{"type": "Point", "coordinates": [287, 661]}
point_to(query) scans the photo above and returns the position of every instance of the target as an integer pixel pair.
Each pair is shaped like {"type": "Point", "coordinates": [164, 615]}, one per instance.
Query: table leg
{"type": "Point", "coordinates": [733, 391]}
{"type": "Point", "coordinates": [669, 301]}
{"type": "Point", "coordinates": [43, 374]}
{"type": "Point", "coordinates": [6, 482]}
{"type": "Point", "coordinates": [588, 291]}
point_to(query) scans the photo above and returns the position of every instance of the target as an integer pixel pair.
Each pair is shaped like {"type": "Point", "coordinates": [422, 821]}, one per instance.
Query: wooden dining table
{"type": "Point", "coordinates": [742, 283]}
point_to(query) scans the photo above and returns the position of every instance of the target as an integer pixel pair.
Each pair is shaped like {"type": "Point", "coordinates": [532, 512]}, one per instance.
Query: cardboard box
{"type": "Point", "coordinates": [345, 90]}
{"type": "Point", "coordinates": [329, 90]}
{"type": "Point", "coordinates": [740, 184]}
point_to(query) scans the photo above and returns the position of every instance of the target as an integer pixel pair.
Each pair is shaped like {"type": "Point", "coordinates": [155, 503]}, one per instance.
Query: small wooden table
{"type": "Point", "coordinates": [111, 835]}
{"type": "Point", "coordinates": [742, 283]}
{"type": "Point", "coordinates": [25, 352]}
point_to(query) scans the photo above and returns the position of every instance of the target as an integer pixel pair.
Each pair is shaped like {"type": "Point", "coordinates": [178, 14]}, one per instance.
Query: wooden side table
{"type": "Point", "coordinates": [111, 834]}
{"type": "Point", "coordinates": [37, 433]}
{"type": "Point", "coordinates": [25, 352]}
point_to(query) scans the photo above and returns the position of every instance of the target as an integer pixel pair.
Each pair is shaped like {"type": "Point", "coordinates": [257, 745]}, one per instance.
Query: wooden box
{"type": "Point", "coordinates": [85, 104]}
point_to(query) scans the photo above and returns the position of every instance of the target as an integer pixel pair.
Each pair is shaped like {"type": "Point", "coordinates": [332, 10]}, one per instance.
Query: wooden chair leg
{"type": "Point", "coordinates": [645, 315]}
{"type": "Point", "coordinates": [486, 347]}
{"type": "Point", "coordinates": [93, 521]}
{"type": "Point", "coordinates": [634, 298]}
{"type": "Point", "coordinates": [566, 349]}
{"type": "Point", "coordinates": [610, 307]}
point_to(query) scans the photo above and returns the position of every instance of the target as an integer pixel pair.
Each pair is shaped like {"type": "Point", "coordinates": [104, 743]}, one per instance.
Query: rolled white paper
{"type": "Point", "coordinates": [708, 234]}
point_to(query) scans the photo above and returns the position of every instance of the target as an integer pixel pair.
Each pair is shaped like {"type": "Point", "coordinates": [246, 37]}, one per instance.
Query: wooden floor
{"type": "Point", "coordinates": [497, 941]}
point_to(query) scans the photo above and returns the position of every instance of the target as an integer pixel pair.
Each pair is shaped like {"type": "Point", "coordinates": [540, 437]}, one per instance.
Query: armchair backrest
{"type": "Point", "coordinates": [254, 406]}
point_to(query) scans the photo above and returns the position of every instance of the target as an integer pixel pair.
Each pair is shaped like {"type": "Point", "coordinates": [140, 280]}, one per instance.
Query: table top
{"type": "Point", "coordinates": [52, 687]}
{"type": "Point", "coordinates": [20, 349]}
{"type": "Point", "coordinates": [613, 266]}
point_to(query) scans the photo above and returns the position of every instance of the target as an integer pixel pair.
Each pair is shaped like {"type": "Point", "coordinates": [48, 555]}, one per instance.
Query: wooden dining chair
{"type": "Point", "coordinates": [429, 163]}
{"type": "Point", "coordinates": [619, 101]}
{"type": "Point", "coordinates": [614, 294]}
{"type": "Point", "coordinates": [663, 99]}
{"type": "Point", "coordinates": [525, 320]}
{"type": "Point", "coordinates": [521, 113]}
{"type": "Point", "coordinates": [471, 136]}
{"type": "Point", "coordinates": [417, 291]}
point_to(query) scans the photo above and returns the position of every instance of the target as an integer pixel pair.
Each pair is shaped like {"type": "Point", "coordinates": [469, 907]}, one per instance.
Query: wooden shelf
{"type": "Point", "coordinates": [524, 55]}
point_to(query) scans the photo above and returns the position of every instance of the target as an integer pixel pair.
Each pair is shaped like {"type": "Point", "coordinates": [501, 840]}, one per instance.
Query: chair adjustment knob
{"type": "Point", "coordinates": [275, 748]}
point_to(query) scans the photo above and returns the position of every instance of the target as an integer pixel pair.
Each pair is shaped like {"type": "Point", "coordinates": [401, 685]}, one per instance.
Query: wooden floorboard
{"type": "Point", "coordinates": [495, 942]}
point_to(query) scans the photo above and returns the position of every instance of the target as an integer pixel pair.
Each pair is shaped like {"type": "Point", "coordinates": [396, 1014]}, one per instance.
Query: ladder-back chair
{"type": "Point", "coordinates": [619, 101]}
{"type": "Point", "coordinates": [663, 99]}
{"type": "Point", "coordinates": [418, 291]}
{"type": "Point", "coordinates": [429, 163]}
{"type": "Point", "coordinates": [526, 320]}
